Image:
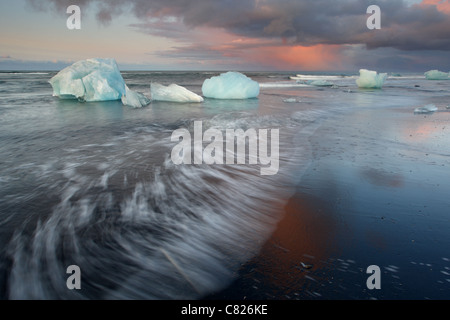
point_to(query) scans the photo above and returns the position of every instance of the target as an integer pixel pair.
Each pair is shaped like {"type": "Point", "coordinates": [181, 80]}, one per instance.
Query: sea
{"type": "Point", "coordinates": [93, 185]}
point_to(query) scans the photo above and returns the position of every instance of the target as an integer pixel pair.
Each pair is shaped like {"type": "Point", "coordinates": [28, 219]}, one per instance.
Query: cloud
{"type": "Point", "coordinates": [270, 30]}
{"type": "Point", "coordinates": [304, 22]}
{"type": "Point", "coordinates": [394, 60]}
{"type": "Point", "coordinates": [441, 5]}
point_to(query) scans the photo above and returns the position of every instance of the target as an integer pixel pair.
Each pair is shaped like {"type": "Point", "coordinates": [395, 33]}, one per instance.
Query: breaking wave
{"type": "Point", "coordinates": [138, 226]}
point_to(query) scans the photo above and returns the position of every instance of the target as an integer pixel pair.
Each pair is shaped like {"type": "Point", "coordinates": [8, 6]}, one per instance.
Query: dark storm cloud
{"type": "Point", "coordinates": [305, 22]}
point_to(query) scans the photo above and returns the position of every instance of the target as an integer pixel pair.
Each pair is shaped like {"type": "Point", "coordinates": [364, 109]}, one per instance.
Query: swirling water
{"type": "Point", "coordinates": [93, 185]}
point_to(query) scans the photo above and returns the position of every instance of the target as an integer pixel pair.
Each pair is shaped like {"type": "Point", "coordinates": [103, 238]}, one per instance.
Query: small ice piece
{"type": "Point", "coordinates": [230, 85]}
{"type": "Point", "coordinates": [319, 83]}
{"type": "Point", "coordinates": [173, 93]}
{"type": "Point", "coordinates": [134, 99]}
{"type": "Point", "coordinates": [89, 80]}
{"type": "Point", "coordinates": [306, 266]}
{"type": "Point", "coordinates": [436, 75]}
{"type": "Point", "coordinates": [429, 108]}
{"type": "Point", "coordinates": [370, 79]}
{"type": "Point", "coordinates": [290, 100]}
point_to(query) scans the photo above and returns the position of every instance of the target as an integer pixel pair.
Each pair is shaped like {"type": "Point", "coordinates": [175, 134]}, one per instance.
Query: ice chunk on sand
{"type": "Point", "coordinates": [370, 79]}
{"type": "Point", "coordinates": [429, 108]}
{"type": "Point", "coordinates": [290, 100]}
{"type": "Point", "coordinates": [173, 93]}
{"type": "Point", "coordinates": [319, 83]}
{"type": "Point", "coordinates": [230, 85]}
{"type": "Point", "coordinates": [134, 99]}
{"type": "Point", "coordinates": [89, 80]}
{"type": "Point", "coordinates": [436, 75]}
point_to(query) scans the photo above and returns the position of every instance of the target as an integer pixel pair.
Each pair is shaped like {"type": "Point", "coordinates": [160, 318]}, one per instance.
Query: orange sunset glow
{"type": "Point", "coordinates": [318, 57]}
{"type": "Point", "coordinates": [441, 5]}
{"type": "Point", "coordinates": [269, 35]}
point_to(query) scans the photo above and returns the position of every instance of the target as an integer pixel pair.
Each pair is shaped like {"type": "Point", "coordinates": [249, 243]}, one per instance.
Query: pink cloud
{"type": "Point", "coordinates": [441, 5]}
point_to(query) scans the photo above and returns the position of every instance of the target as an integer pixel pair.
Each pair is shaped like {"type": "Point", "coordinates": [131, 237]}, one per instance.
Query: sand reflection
{"type": "Point", "coordinates": [300, 245]}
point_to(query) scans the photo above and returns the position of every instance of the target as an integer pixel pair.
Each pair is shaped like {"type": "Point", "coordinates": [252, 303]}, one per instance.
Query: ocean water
{"type": "Point", "coordinates": [93, 184]}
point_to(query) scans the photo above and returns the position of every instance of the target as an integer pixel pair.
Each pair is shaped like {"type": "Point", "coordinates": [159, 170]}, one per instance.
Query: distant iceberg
{"type": "Point", "coordinates": [95, 80]}
{"type": "Point", "coordinates": [134, 99]}
{"type": "Point", "coordinates": [173, 93]}
{"type": "Point", "coordinates": [319, 83]}
{"type": "Point", "coordinates": [436, 75]}
{"type": "Point", "coordinates": [230, 85]}
{"type": "Point", "coordinates": [429, 108]}
{"type": "Point", "coordinates": [370, 79]}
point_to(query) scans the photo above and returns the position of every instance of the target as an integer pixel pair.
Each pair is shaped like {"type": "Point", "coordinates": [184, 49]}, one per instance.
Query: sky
{"type": "Point", "coordinates": [241, 35]}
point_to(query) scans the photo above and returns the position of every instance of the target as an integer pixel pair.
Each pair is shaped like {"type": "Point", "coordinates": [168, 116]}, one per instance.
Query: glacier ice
{"type": "Point", "coordinates": [89, 80]}
{"type": "Point", "coordinates": [95, 80]}
{"type": "Point", "coordinates": [134, 99]}
{"type": "Point", "coordinates": [436, 75]}
{"type": "Point", "coordinates": [290, 100]}
{"type": "Point", "coordinates": [319, 83]}
{"type": "Point", "coordinates": [230, 85]}
{"type": "Point", "coordinates": [429, 108]}
{"type": "Point", "coordinates": [173, 93]}
{"type": "Point", "coordinates": [370, 79]}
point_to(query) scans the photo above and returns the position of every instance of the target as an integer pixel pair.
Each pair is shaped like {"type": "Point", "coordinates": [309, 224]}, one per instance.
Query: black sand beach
{"type": "Point", "coordinates": [362, 181]}
{"type": "Point", "coordinates": [376, 193]}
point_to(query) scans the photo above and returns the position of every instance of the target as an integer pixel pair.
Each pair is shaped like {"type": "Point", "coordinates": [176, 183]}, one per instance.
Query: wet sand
{"type": "Point", "coordinates": [376, 193]}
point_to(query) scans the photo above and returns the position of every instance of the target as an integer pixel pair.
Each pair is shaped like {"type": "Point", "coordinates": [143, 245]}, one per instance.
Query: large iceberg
{"type": "Point", "coordinates": [436, 75]}
{"type": "Point", "coordinates": [95, 80]}
{"type": "Point", "coordinates": [89, 80]}
{"type": "Point", "coordinates": [173, 93]}
{"type": "Point", "coordinates": [370, 79]}
{"type": "Point", "coordinates": [230, 85]}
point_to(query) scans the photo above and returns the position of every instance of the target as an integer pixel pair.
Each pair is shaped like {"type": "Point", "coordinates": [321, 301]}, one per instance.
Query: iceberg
{"type": "Point", "coordinates": [134, 99]}
{"type": "Point", "coordinates": [230, 85]}
{"type": "Point", "coordinates": [436, 75]}
{"type": "Point", "coordinates": [89, 80]}
{"type": "Point", "coordinates": [319, 83]}
{"type": "Point", "coordinates": [173, 93]}
{"type": "Point", "coordinates": [429, 108]}
{"type": "Point", "coordinates": [95, 80]}
{"type": "Point", "coordinates": [370, 79]}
